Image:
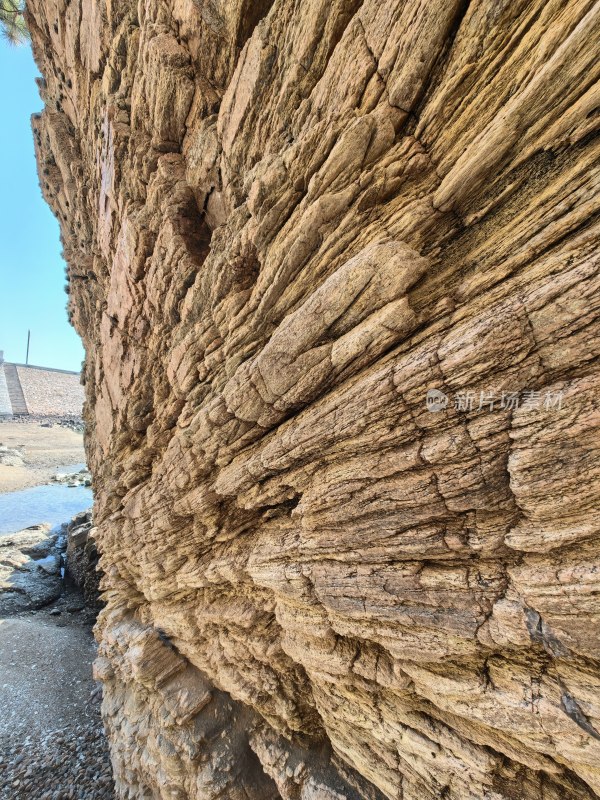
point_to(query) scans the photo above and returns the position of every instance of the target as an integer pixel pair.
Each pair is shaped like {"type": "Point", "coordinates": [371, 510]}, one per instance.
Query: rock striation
{"type": "Point", "coordinates": [82, 558]}
{"type": "Point", "coordinates": [335, 266]}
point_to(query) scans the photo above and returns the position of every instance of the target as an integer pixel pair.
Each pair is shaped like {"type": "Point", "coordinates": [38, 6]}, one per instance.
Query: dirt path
{"type": "Point", "coordinates": [43, 451]}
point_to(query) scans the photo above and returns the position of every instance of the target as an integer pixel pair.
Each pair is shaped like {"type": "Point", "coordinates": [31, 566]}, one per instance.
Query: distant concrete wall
{"type": "Point", "coordinates": [5, 406]}
{"type": "Point", "coordinates": [51, 392]}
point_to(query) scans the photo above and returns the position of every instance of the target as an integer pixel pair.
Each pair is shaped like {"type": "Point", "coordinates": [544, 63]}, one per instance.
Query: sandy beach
{"type": "Point", "coordinates": [43, 451]}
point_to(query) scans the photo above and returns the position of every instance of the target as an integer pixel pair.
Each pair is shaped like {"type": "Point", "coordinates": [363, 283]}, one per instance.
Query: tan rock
{"type": "Point", "coordinates": [285, 224]}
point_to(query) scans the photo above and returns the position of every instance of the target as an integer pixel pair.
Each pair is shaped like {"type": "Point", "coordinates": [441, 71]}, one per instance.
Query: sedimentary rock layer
{"type": "Point", "coordinates": [286, 222]}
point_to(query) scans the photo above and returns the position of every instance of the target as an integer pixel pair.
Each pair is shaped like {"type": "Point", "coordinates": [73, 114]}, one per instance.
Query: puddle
{"type": "Point", "coordinates": [54, 504]}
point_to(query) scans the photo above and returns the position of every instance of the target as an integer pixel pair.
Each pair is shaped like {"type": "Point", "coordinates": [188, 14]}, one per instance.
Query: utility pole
{"type": "Point", "coordinates": [28, 338]}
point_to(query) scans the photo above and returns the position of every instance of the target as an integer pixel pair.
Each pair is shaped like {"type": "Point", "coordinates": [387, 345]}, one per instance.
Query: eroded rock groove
{"type": "Point", "coordinates": [284, 224]}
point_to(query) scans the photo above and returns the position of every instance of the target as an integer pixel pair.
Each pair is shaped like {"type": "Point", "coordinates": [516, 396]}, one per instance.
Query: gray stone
{"type": "Point", "coordinates": [29, 569]}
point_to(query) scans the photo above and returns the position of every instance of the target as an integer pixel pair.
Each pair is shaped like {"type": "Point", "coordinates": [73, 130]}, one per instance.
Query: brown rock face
{"type": "Point", "coordinates": [285, 223]}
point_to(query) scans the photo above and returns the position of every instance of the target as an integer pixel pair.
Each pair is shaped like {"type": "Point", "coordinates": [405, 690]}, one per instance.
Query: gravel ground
{"type": "Point", "coordinates": [52, 744]}
{"type": "Point", "coordinates": [71, 763]}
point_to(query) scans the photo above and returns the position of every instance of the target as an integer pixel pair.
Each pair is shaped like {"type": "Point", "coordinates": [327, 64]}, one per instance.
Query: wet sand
{"type": "Point", "coordinates": [44, 450]}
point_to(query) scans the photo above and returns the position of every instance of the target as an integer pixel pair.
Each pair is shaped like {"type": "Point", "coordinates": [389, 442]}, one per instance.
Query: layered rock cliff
{"type": "Point", "coordinates": [286, 222]}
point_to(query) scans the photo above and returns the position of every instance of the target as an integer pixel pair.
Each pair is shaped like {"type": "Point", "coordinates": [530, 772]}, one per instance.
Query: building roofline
{"type": "Point", "coordinates": [45, 369]}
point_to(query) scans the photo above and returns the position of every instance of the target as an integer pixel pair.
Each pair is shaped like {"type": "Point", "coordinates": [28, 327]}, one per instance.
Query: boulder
{"type": "Point", "coordinates": [9, 457]}
{"type": "Point", "coordinates": [82, 558]}
{"type": "Point", "coordinates": [30, 569]}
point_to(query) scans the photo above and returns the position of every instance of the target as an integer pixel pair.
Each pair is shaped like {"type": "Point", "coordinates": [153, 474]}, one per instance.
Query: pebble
{"type": "Point", "coordinates": [65, 758]}
{"type": "Point", "coordinates": [69, 763]}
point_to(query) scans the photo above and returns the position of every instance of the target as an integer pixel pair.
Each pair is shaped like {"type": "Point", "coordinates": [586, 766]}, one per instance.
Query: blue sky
{"type": "Point", "coordinates": [31, 267]}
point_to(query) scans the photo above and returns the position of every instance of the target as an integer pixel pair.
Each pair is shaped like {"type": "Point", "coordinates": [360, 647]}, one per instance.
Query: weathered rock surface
{"type": "Point", "coordinates": [284, 224]}
{"type": "Point", "coordinates": [82, 558]}
{"type": "Point", "coordinates": [29, 569]}
{"type": "Point", "coordinates": [74, 479]}
{"type": "Point", "coordinates": [10, 457]}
